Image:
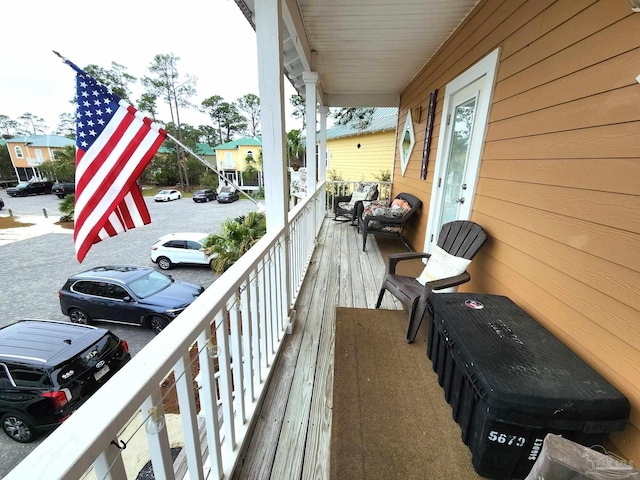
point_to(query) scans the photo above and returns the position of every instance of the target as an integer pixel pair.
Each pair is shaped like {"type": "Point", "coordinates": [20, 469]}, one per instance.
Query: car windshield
{"type": "Point", "coordinates": [164, 192]}
{"type": "Point", "coordinates": [150, 284]}
{"type": "Point", "coordinates": [23, 185]}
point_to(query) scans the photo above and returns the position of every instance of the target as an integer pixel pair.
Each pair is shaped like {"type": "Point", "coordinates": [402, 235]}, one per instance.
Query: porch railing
{"type": "Point", "coordinates": [338, 188]}
{"type": "Point", "coordinates": [230, 337]}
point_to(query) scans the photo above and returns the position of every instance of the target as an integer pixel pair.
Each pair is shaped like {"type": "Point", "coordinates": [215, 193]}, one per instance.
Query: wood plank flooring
{"type": "Point", "coordinates": [292, 434]}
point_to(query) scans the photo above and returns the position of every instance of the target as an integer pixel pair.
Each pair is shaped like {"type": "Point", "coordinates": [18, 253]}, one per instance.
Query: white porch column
{"type": "Point", "coordinates": [268, 15]}
{"type": "Point", "coordinates": [322, 160]}
{"type": "Point", "coordinates": [272, 115]}
{"type": "Point", "coordinates": [310, 83]}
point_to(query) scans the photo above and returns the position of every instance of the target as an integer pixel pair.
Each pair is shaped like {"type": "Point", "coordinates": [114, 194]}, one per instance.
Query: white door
{"type": "Point", "coordinates": [464, 123]}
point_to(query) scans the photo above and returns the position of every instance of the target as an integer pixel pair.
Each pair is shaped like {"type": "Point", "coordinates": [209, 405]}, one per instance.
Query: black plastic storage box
{"type": "Point", "coordinates": [510, 382]}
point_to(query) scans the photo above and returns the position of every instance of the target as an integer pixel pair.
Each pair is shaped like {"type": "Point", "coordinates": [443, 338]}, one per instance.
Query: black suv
{"type": "Point", "coordinates": [62, 189]}
{"type": "Point", "coordinates": [29, 188]}
{"type": "Point", "coordinates": [48, 369]}
{"type": "Point", "coordinates": [204, 195]}
{"type": "Point", "coordinates": [126, 294]}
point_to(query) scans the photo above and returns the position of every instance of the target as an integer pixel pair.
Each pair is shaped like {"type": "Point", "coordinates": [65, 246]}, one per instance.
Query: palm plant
{"type": "Point", "coordinates": [67, 208]}
{"type": "Point", "coordinates": [237, 237]}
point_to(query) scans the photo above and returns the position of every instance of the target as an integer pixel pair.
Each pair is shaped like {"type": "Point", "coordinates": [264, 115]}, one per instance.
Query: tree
{"type": "Point", "coordinates": [299, 109]}
{"type": "Point", "coordinates": [148, 104]}
{"type": "Point", "coordinates": [67, 125]}
{"type": "Point", "coordinates": [295, 149]}
{"type": "Point", "coordinates": [226, 116]}
{"type": "Point", "coordinates": [209, 135]}
{"type": "Point", "coordinates": [250, 105]}
{"type": "Point", "coordinates": [232, 122]}
{"type": "Point", "coordinates": [8, 127]}
{"type": "Point", "coordinates": [166, 83]}
{"type": "Point", "coordinates": [116, 78]}
{"type": "Point", "coordinates": [6, 167]}
{"type": "Point", "coordinates": [63, 165]}
{"type": "Point", "coordinates": [357, 118]}
{"type": "Point", "coordinates": [30, 124]}
{"type": "Point", "coordinates": [236, 238]}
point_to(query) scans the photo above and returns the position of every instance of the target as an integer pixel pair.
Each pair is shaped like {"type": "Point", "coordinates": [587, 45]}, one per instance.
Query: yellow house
{"type": "Point", "coordinates": [231, 156]}
{"type": "Point", "coordinates": [231, 161]}
{"type": "Point", "coordinates": [29, 152]}
{"type": "Point", "coordinates": [363, 153]}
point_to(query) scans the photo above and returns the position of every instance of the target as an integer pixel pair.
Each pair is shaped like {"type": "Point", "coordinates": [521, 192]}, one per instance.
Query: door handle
{"type": "Point", "coordinates": [460, 200]}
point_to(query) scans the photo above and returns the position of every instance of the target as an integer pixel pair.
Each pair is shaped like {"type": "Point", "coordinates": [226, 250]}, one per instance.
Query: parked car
{"type": "Point", "coordinates": [1, 204]}
{"type": "Point", "coordinates": [228, 194]}
{"type": "Point", "coordinates": [62, 189]}
{"type": "Point", "coordinates": [180, 248]}
{"type": "Point", "coordinates": [48, 369]}
{"type": "Point", "coordinates": [204, 195]}
{"type": "Point", "coordinates": [29, 188]}
{"type": "Point", "coordinates": [167, 195]}
{"type": "Point", "coordinates": [126, 294]}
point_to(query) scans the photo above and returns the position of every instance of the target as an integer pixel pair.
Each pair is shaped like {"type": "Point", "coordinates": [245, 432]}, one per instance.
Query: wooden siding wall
{"type": "Point", "coordinates": [374, 156]}
{"type": "Point", "coordinates": [559, 189]}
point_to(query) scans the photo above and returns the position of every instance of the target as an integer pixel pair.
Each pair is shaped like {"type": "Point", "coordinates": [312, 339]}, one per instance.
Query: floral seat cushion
{"type": "Point", "coordinates": [381, 208]}
{"type": "Point", "coordinates": [363, 192]}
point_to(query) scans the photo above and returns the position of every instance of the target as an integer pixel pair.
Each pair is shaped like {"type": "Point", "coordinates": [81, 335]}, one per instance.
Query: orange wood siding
{"type": "Point", "coordinates": [375, 155]}
{"type": "Point", "coordinates": [558, 189]}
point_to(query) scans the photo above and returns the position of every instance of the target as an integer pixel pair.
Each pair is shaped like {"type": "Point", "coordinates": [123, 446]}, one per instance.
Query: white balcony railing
{"type": "Point", "coordinates": [242, 317]}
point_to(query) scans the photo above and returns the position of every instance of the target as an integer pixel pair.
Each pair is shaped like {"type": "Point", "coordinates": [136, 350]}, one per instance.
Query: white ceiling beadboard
{"type": "Point", "coordinates": [365, 51]}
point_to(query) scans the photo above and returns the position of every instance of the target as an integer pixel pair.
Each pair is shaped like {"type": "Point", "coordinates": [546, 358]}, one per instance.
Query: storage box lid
{"type": "Point", "coordinates": [514, 362]}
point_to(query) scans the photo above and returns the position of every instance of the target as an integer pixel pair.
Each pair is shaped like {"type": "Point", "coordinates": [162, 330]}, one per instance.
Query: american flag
{"type": "Point", "coordinates": [115, 143]}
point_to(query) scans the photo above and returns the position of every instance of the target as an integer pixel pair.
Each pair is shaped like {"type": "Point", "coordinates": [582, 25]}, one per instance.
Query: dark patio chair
{"type": "Point", "coordinates": [461, 238]}
{"type": "Point", "coordinates": [383, 219]}
{"type": "Point", "coordinates": [345, 207]}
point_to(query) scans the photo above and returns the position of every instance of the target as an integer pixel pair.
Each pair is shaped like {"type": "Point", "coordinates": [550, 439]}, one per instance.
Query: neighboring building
{"type": "Point", "coordinates": [29, 152]}
{"type": "Point", "coordinates": [363, 153]}
{"type": "Point", "coordinates": [207, 153]}
{"type": "Point", "coordinates": [231, 158]}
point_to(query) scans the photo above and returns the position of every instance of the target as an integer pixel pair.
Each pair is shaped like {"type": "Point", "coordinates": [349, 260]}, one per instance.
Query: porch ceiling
{"type": "Point", "coordinates": [365, 51]}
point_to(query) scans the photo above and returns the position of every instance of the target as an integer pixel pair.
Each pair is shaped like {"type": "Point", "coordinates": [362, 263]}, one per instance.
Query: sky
{"type": "Point", "coordinates": [214, 41]}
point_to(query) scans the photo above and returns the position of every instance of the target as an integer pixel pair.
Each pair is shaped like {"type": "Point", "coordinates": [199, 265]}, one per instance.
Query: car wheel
{"type": "Point", "coordinates": [18, 428]}
{"type": "Point", "coordinates": [157, 324]}
{"type": "Point", "coordinates": [79, 316]}
{"type": "Point", "coordinates": [179, 197]}
{"type": "Point", "coordinates": [164, 263]}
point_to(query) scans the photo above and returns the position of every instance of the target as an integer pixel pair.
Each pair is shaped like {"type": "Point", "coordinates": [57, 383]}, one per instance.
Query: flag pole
{"type": "Point", "coordinates": [260, 206]}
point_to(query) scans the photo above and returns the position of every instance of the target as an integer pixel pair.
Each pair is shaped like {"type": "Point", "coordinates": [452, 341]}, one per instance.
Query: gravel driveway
{"type": "Point", "coordinates": [34, 269]}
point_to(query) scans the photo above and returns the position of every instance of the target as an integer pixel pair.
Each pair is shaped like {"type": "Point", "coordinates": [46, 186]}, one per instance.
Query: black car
{"type": "Point", "coordinates": [48, 369]}
{"type": "Point", "coordinates": [227, 195]}
{"type": "Point", "coordinates": [62, 189]}
{"type": "Point", "coordinates": [1, 204]}
{"type": "Point", "coordinates": [126, 294]}
{"type": "Point", "coordinates": [204, 195]}
{"type": "Point", "coordinates": [29, 188]}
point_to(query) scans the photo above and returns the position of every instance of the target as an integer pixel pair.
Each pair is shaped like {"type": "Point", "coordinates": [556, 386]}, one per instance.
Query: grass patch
{"type": "Point", "coordinates": [11, 222]}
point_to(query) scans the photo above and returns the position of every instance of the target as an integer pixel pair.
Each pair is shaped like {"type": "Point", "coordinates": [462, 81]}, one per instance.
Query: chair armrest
{"type": "Point", "coordinates": [395, 258]}
{"type": "Point", "coordinates": [448, 282]}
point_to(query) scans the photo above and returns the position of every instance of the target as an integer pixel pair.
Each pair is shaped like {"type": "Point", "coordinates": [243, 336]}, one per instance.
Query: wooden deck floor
{"type": "Point", "coordinates": [292, 435]}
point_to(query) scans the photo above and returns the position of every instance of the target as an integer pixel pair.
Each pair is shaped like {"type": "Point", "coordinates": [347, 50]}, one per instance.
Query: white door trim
{"type": "Point", "coordinates": [484, 70]}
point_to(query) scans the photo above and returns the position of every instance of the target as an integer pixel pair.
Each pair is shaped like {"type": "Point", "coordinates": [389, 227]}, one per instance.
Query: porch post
{"type": "Point", "coordinates": [272, 115]}
{"type": "Point", "coordinates": [310, 82]}
{"type": "Point", "coordinates": [268, 15]}
{"type": "Point", "coordinates": [322, 157]}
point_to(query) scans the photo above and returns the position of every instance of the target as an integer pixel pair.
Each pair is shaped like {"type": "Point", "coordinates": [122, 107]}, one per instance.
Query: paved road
{"type": "Point", "coordinates": [34, 269]}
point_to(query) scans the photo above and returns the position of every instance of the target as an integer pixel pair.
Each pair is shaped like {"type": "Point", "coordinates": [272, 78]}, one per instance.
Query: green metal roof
{"type": "Point", "coordinates": [204, 149]}
{"type": "Point", "coordinates": [382, 120]}
{"type": "Point", "coordinates": [244, 141]}
{"type": "Point", "coordinates": [43, 140]}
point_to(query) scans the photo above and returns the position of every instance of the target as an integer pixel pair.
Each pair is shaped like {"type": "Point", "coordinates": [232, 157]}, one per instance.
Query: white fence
{"type": "Point", "coordinates": [231, 334]}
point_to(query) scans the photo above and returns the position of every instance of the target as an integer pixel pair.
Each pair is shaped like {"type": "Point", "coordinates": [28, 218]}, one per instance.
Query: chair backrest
{"type": "Point", "coordinates": [462, 238]}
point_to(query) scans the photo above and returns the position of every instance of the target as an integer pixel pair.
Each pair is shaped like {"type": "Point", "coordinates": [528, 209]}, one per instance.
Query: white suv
{"type": "Point", "coordinates": [180, 248]}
